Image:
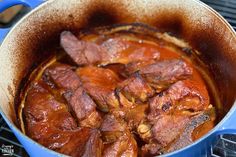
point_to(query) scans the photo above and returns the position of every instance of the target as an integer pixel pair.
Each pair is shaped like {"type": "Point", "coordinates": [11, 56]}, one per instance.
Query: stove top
{"type": "Point", "coordinates": [225, 145]}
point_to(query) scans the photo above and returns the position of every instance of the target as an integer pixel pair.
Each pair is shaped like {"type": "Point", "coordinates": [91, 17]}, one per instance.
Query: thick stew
{"type": "Point", "coordinates": [118, 94]}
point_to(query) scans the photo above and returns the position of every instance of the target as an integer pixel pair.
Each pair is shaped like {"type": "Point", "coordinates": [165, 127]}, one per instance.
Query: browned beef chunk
{"type": "Point", "coordinates": [186, 137]}
{"type": "Point", "coordinates": [78, 100]}
{"type": "Point", "coordinates": [124, 146]}
{"type": "Point", "coordinates": [113, 47]}
{"type": "Point", "coordinates": [172, 132]}
{"type": "Point", "coordinates": [183, 95]}
{"type": "Point", "coordinates": [40, 105]}
{"type": "Point", "coordinates": [135, 88]}
{"type": "Point", "coordinates": [82, 104]}
{"type": "Point", "coordinates": [163, 130]}
{"type": "Point", "coordinates": [100, 84]}
{"type": "Point", "coordinates": [71, 143]}
{"type": "Point", "coordinates": [123, 51]}
{"type": "Point", "coordinates": [85, 109]}
{"type": "Point", "coordinates": [94, 145]}
{"type": "Point", "coordinates": [81, 52]}
{"type": "Point", "coordinates": [63, 76]}
{"type": "Point", "coordinates": [113, 123]}
{"type": "Point", "coordinates": [132, 67]}
{"type": "Point", "coordinates": [49, 123]}
{"type": "Point", "coordinates": [92, 121]}
{"type": "Point", "coordinates": [112, 128]}
{"type": "Point", "coordinates": [168, 127]}
{"type": "Point", "coordinates": [161, 74]}
{"type": "Point", "coordinates": [171, 119]}
{"type": "Point", "coordinates": [135, 115]}
{"type": "Point", "coordinates": [114, 50]}
{"type": "Point", "coordinates": [151, 149]}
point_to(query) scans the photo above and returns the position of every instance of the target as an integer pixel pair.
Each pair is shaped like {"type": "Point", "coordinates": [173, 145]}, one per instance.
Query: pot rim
{"type": "Point", "coordinates": [211, 132]}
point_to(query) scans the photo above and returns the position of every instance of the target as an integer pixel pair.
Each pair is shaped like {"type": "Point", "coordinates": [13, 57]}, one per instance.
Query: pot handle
{"type": "Point", "coordinates": [5, 4]}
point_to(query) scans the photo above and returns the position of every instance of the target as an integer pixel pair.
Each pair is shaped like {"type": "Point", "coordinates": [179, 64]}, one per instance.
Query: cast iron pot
{"type": "Point", "coordinates": [191, 20]}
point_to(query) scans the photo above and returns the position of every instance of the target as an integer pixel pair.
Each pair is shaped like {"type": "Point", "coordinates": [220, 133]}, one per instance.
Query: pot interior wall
{"type": "Point", "coordinates": [32, 39]}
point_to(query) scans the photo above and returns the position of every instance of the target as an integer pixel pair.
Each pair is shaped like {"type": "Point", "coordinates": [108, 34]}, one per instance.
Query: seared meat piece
{"type": "Point", "coordinates": [41, 106]}
{"type": "Point", "coordinates": [124, 146]}
{"type": "Point", "coordinates": [82, 104]}
{"type": "Point", "coordinates": [135, 88]}
{"type": "Point", "coordinates": [123, 51]}
{"type": "Point", "coordinates": [135, 115]}
{"type": "Point", "coordinates": [71, 143]}
{"type": "Point", "coordinates": [63, 76]}
{"type": "Point", "coordinates": [113, 47]}
{"type": "Point", "coordinates": [186, 137]}
{"type": "Point", "coordinates": [49, 123]}
{"type": "Point", "coordinates": [163, 130]}
{"type": "Point", "coordinates": [172, 132]}
{"type": "Point", "coordinates": [168, 127]}
{"type": "Point", "coordinates": [183, 95]}
{"type": "Point", "coordinates": [100, 84]}
{"type": "Point", "coordinates": [78, 101]}
{"type": "Point", "coordinates": [82, 52]}
{"type": "Point", "coordinates": [94, 145]}
{"type": "Point", "coordinates": [112, 128]}
{"type": "Point", "coordinates": [92, 121]}
{"type": "Point", "coordinates": [151, 149]}
{"type": "Point", "coordinates": [170, 120]}
{"type": "Point", "coordinates": [161, 74]}
{"type": "Point", "coordinates": [85, 109]}
{"type": "Point", "coordinates": [190, 95]}
{"type": "Point", "coordinates": [114, 50]}
{"type": "Point", "coordinates": [113, 123]}
{"type": "Point", "coordinates": [132, 67]}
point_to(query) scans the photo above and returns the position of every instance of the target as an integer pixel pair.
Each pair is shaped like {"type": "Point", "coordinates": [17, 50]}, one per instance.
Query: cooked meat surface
{"type": "Point", "coordinates": [168, 127]}
{"type": "Point", "coordinates": [135, 87]}
{"type": "Point", "coordinates": [63, 76]}
{"type": "Point", "coordinates": [82, 52]}
{"type": "Point", "coordinates": [186, 137]}
{"type": "Point", "coordinates": [40, 107]}
{"type": "Point", "coordinates": [100, 84]}
{"type": "Point", "coordinates": [118, 94]}
{"type": "Point", "coordinates": [49, 123]}
{"type": "Point", "coordinates": [112, 128]}
{"type": "Point", "coordinates": [72, 143]}
{"type": "Point", "coordinates": [82, 104]}
{"type": "Point", "coordinates": [94, 145]}
{"type": "Point", "coordinates": [132, 67]}
{"type": "Point", "coordinates": [122, 51]}
{"type": "Point", "coordinates": [170, 132]}
{"type": "Point", "coordinates": [85, 109]}
{"type": "Point", "coordinates": [136, 115]}
{"type": "Point", "coordinates": [124, 146]}
{"type": "Point", "coordinates": [183, 95]}
{"type": "Point", "coordinates": [113, 123]}
{"type": "Point", "coordinates": [77, 99]}
{"type": "Point", "coordinates": [113, 50]}
{"type": "Point", "coordinates": [161, 74]}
